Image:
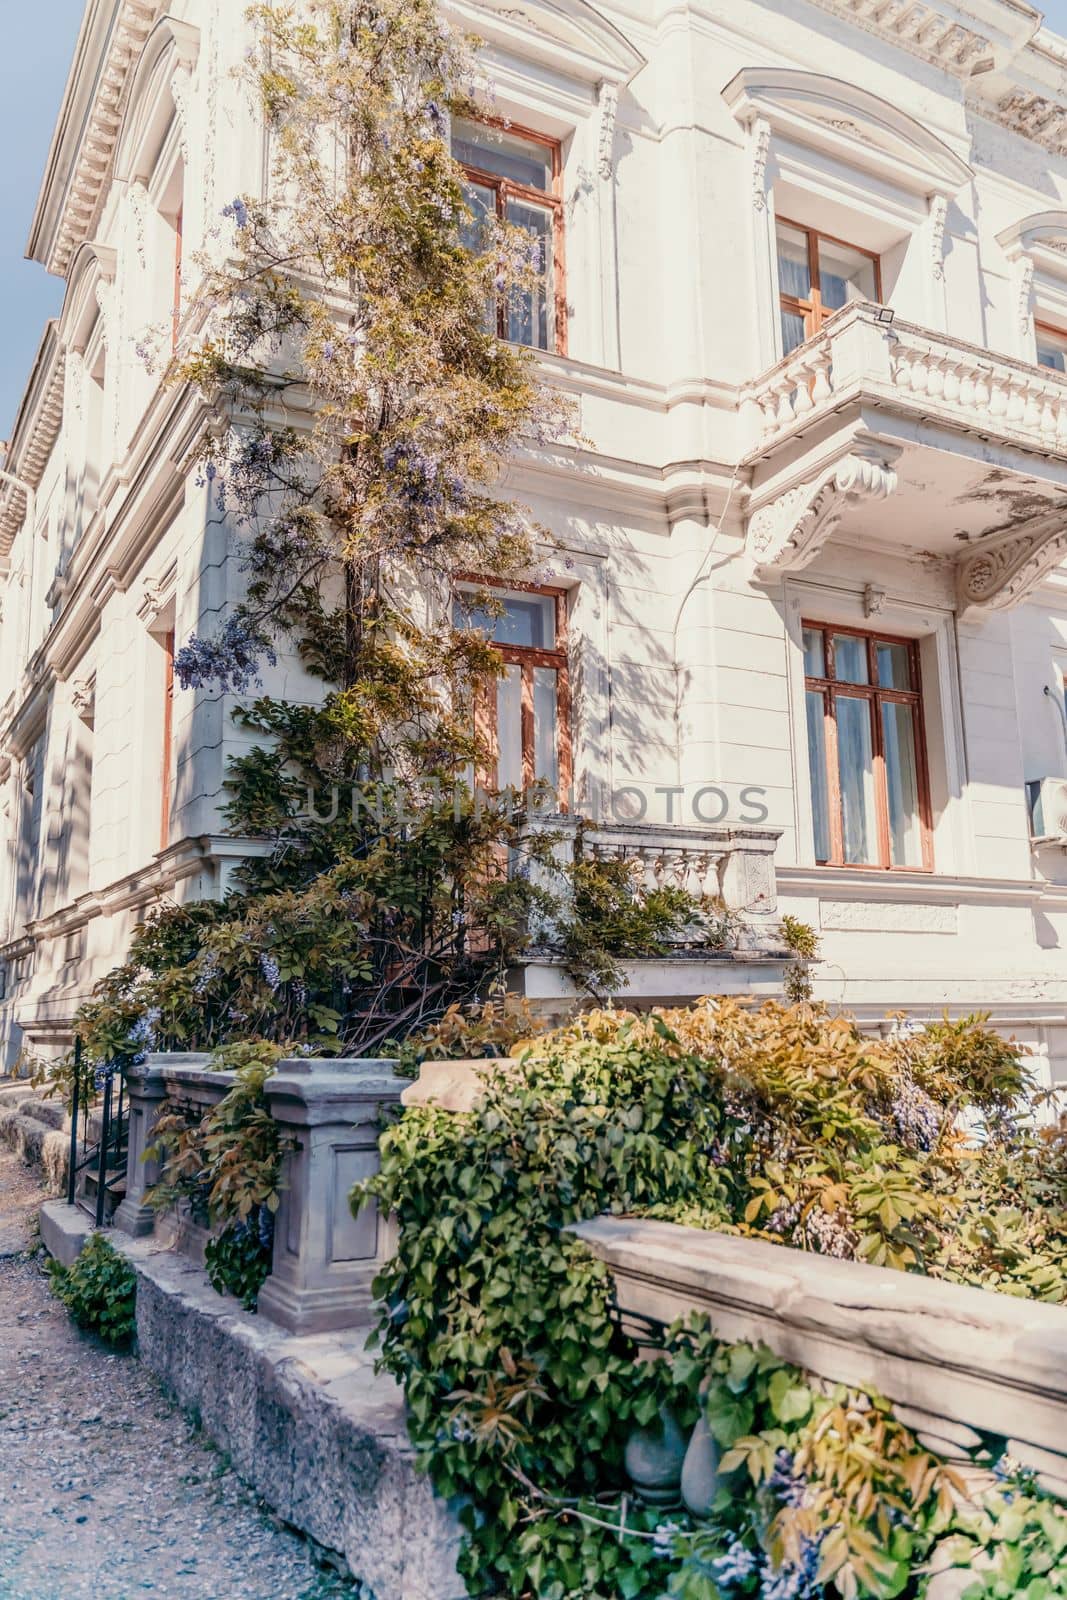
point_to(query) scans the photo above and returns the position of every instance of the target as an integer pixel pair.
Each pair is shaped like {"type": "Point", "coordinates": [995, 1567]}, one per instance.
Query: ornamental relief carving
{"type": "Point", "coordinates": [1002, 573]}
{"type": "Point", "coordinates": [788, 534]}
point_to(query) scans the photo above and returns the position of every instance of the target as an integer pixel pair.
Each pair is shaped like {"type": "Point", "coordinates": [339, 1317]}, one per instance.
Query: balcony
{"type": "Point", "coordinates": [888, 435]}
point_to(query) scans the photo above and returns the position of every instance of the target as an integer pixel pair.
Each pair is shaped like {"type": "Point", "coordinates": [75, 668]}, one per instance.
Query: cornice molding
{"type": "Point", "coordinates": [36, 430]}
{"type": "Point", "coordinates": [79, 161]}
{"type": "Point", "coordinates": [920, 29]}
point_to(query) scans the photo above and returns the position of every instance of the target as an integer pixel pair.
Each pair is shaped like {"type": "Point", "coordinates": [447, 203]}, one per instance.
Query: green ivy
{"type": "Point", "coordinates": [785, 1124]}
{"type": "Point", "coordinates": [99, 1290]}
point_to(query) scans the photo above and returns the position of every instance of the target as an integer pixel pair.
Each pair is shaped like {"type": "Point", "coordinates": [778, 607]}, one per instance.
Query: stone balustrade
{"type": "Point", "coordinates": [962, 1366]}
{"type": "Point", "coordinates": [328, 1114]}
{"type": "Point", "coordinates": [734, 865]}
{"type": "Point", "coordinates": [950, 380]}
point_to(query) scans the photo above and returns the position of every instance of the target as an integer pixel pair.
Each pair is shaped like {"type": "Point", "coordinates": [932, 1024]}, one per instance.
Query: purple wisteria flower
{"type": "Point", "coordinates": [238, 211]}
{"type": "Point", "coordinates": [736, 1566]}
{"type": "Point", "coordinates": [270, 969]}
{"type": "Point", "coordinates": [436, 118]}
{"type": "Point", "coordinates": [230, 660]}
{"type": "Point", "coordinates": [785, 1483]}
{"type": "Point", "coordinates": [421, 481]}
{"type": "Point", "coordinates": [794, 1582]}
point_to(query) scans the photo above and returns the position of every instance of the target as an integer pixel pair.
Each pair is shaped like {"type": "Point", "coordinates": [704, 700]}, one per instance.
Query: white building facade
{"type": "Point", "coordinates": [806, 280]}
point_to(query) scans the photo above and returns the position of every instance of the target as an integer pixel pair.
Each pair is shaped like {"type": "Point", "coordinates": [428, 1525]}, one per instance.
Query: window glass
{"type": "Point", "coordinates": [793, 331]}
{"type": "Point", "coordinates": [509, 729]}
{"type": "Point", "coordinates": [820, 799]}
{"type": "Point", "coordinates": [527, 621]}
{"type": "Point", "coordinates": [794, 274]}
{"type": "Point", "coordinates": [868, 781]}
{"type": "Point", "coordinates": [1051, 348]}
{"type": "Point", "coordinates": [503, 154]}
{"type": "Point", "coordinates": [894, 665]}
{"type": "Point", "coordinates": [844, 275]}
{"type": "Point", "coordinates": [814, 654]}
{"type": "Point", "coordinates": [546, 731]}
{"type": "Point", "coordinates": [850, 658]}
{"type": "Point", "coordinates": [902, 784]}
{"type": "Point", "coordinates": [856, 759]}
{"type": "Point", "coordinates": [530, 314]}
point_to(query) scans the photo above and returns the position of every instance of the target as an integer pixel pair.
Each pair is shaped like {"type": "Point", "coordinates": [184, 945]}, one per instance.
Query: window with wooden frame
{"type": "Point", "coordinates": [870, 788]}
{"type": "Point", "coordinates": [517, 175]}
{"type": "Point", "coordinates": [167, 784]}
{"type": "Point", "coordinates": [1051, 346]}
{"type": "Point", "coordinates": [524, 715]}
{"type": "Point", "coordinates": [817, 275]}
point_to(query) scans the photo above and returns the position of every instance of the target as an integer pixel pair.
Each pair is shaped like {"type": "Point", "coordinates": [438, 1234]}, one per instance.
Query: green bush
{"type": "Point", "coordinates": [785, 1124]}
{"type": "Point", "coordinates": [99, 1290]}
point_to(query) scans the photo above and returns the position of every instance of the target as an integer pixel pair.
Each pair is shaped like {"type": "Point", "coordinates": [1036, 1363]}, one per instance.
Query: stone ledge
{"type": "Point", "coordinates": [957, 1354]}
{"type": "Point", "coordinates": [64, 1229]}
{"type": "Point", "coordinates": [306, 1421]}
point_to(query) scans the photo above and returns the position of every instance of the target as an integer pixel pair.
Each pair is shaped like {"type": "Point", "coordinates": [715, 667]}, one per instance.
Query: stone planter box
{"type": "Point", "coordinates": [328, 1114]}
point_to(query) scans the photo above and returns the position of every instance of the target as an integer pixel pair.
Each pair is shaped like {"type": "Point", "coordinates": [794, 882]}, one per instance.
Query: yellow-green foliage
{"type": "Point", "coordinates": [782, 1123]}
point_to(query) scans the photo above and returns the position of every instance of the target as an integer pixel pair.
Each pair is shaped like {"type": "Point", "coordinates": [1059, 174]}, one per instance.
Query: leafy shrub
{"type": "Point", "coordinates": [615, 918]}
{"type": "Point", "coordinates": [99, 1290]}
{"type": "Point", "coordinates": [785, 1124]}
{"type": "Point", "coordinates": [470, 1033]}
{"type": "Point", "coordinates": [238, 1260]}
{"type": "Point", "coordinates": [803, 941]}
{"type": "Point", "coordinates": [227, 1165]}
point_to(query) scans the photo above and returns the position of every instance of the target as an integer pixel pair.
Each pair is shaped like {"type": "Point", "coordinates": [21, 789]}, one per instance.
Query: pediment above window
{"type": "Point", "coordinates": [570, 36]}
{"type": "Point", "coordinates": [1042, 237]}
{"type": "Point", "coordinates": [91, 274]}
{"type": "Point", "coordinates": [862, 131]}
{"type": "Point", "coordinates": [166, 63]}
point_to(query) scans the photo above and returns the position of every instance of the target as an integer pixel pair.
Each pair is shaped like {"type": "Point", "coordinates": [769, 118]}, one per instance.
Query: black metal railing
{"type": "Point", "coordinates": [108, 1154]}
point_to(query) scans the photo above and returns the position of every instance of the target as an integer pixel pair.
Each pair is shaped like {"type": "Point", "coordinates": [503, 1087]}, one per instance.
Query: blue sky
{"type": "Point", "coordinates": [37, 49]}
{"type": "Point", "coordinates": [38, 45]}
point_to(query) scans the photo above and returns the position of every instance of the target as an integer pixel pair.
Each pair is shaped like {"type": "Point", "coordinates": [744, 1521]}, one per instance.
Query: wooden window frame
{"type": "Point", "coordinates": [1040, 327]}
{"type": "Point", "coordinates": [526, 657]}
{"type": "Point", "coordinates": [813, 311]}
{"type": "Point", "coordinates": [505, 189]}
{"type": "Point", "coordinates": [830, 687]}
{"type": "Point", "coordinates": [168, 739]}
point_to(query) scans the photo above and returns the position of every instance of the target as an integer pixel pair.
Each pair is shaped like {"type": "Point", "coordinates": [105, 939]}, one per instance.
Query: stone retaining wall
{"type": "Point", "coordinates": [305, 1421]}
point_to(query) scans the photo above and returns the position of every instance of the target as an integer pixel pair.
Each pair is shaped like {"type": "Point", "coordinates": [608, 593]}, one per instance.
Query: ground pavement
{"type": "Point", "coordinates": [106, 1490]}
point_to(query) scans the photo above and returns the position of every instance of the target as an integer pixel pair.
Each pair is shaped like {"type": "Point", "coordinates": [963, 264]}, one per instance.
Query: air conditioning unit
{"type": "Point", "coordinates": [1048, 807]}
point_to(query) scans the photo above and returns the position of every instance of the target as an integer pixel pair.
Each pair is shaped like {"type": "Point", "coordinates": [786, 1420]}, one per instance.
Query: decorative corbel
{"type": "Point", "coordinates": [761, 147]}
{"type": "Point", "coordinates": [608, 101]}
{"type": "Point", "coordinates": [83, 698]}
{"type": "Point", "coordinates": [789, 533]}
{"type": "Point", "coordinates": [874, 600]}
{"type": "Point", "coordinates": [1005, 570]}
{"type": "Point", "coordinates": [155, 594]}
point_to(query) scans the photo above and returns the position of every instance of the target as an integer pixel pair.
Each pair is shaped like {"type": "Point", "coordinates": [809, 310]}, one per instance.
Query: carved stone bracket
{"type": "Point", "coordinates": [790, 532]}
{"type": "Point", "coordinates": [83, 698]}
{"type": "Point", "coordinates": [1005, 570]}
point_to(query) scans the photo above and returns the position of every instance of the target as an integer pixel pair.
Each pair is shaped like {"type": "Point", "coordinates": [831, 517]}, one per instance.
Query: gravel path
{"type": "Point", "coordinates": [106, 1491]}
